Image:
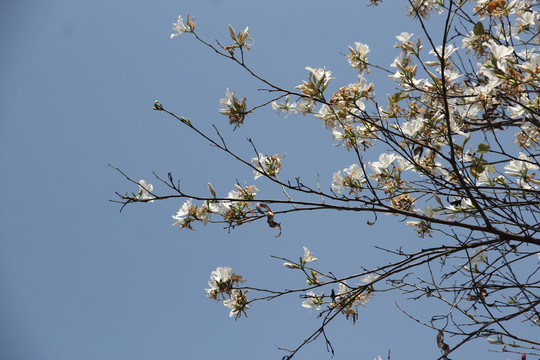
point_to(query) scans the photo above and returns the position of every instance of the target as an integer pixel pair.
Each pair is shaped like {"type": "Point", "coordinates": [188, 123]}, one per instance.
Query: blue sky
{"type": "Point", "coordinates": [79, 280]}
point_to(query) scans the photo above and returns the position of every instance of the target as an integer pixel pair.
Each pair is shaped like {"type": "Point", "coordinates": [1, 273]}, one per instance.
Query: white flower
{"type": "Point", "coordinates": [343, 288]}
{"type": "Point", "coordinates": [211, 207]}
{"type": "Point", "coordinates": [384, 162]}
{"type": "Point", "coordinates": [265, 165]}
{"type": "Point", "coordinates": [355, 172]}
{"type": "Point", "coordinates": [483, 178]}
{"type": "Point", "coordinates": [179, 27]}
{"type": "Point", "coordinates": [499, 53]}
{"type": "Point", "coordinates": [412, 223]}
{"type": "Point", "coordinates": [369, 278]}
{"type": "Point", "coordinates": [320, 74]}
{"type": "Point", "coordinates": [236, 303]}
{"type": "Point", "coordinates": [144, 189]}
{"type": "Point", "coordinates": [352, 172]}
{"type": "Point", "coordinates": [286, 107]}
{"type": "Point", "coordinates": [220, 275]}
{"type": "Point", "coordinates": [337, 182]}
{"type": "Point", "coordinates": [428, 211]}
{"type": "Point", "coordinates": [517, 167]}
{"type": "Point", "coordinates": [479, 255]}
{"type": "Point", "coordinates": [308, 256]}
{"type": "Point", "coordinates": [449, 50]}
{"type": "Point", "coordinates": [358, 56]}
{"type": "Point", "coordinates": [233, 194]}
{"type": "Point", "coordinates": [227, 102]}
{"type": "Point", "coordinates": [180, 216]}
{"type": "Point", "coordinates": [531, 65]}
{"type": "Point", "coordinates": [313, 301]}
{"type": "Point", "coordinates": [261, 165]}
{"type": "Point", "coordinates": [515, 112]}
{"type": "Point", "coordinates": [412, 127]}
{"type": "Point", "coordinates": [403, 164]}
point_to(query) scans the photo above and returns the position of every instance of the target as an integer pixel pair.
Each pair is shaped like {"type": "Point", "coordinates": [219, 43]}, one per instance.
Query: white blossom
{"type": "Point", "coordinates": [337, 182]}
{"type": "Point", "coordinates": [286, 107]}
{"type": "Point", "coordinates": [144, 190]}
{"type": "Point", "coordinates": [227, 102]}
{"type": "Point", "coordinates": [358, 56]}
{"type": "Point", "coordinates": [308, 256]}
{"type": "Point", "coordinates": [384, 162]}
{"type": "Point", "coordinates": [355, 172]}
{"type": "Point", "coordinates": [220, 275]}
{"type": "Point", "coordinates": [180, 216]}
{"type": "Point", "coordinates": [179, 27]}
{"type": "Point", "coordinates": [479, 256]}
{"type": "Point", "coordinates": [265, 165]}
{"type": "Point", "coordinates": [312, 301]}
{"type": "Point", "coordinates": [369, 278]}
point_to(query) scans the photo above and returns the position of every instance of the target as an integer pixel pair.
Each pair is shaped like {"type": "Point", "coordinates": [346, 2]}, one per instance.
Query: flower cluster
{"type": "Point", "coordinates": [241, 40]}
{"type": "Point", "coordinates": [266, 166]}
{"type": "Point", "coordinates": [318, 80]}
{"type": "Point", "coordinates": [354, 180]}
{"type": "Point", "coordinates": [222, 282]}
{"type": "Point", "coordinates": [234, 210]}
{"type": "Point", "coordinates": [346, 301]}
{"type": "Point", "coordinates": [522, 170]}
{"type": "Point", "coordinates": [387, 174]}
{"type": "Point", "coordinates": [358, 56]}
{"type": "Point", "coordinates": [234, 109]}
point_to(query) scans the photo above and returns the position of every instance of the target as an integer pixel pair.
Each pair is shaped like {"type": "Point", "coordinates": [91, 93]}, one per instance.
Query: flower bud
{"type": "Point", "coordinates": [211, 189]}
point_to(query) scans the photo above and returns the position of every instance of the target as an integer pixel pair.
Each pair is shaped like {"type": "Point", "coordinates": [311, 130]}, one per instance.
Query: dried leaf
{"type": "Point", "coordinates": [441, 344]}
{"type": "Point", "coordinates": [269, 217]}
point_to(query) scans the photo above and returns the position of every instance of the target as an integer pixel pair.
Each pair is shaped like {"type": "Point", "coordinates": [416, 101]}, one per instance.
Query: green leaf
{"type": "Point", "coordinates": [477, 170]}
{"type": "Point", "coordinates": [396, 97]}
{"type": "Point", "coordinates": [483, 148]}
{"type": "Point", "coordinates": [479, 29]}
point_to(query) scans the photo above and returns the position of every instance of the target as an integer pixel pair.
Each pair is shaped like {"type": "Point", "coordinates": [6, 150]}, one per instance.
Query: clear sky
{"type": "Point", "coordinates": [78, 279]}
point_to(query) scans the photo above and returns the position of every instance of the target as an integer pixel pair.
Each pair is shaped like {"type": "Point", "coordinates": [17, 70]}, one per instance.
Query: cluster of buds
{"type": "Point", "coordinates": [240, 39]}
